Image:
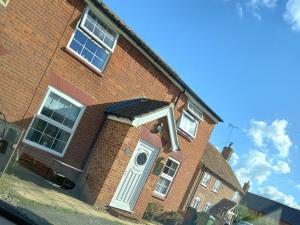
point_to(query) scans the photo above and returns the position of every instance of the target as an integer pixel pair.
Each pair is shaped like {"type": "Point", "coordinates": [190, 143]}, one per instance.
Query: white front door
{"type": "Point", "coordinates": [134, 177]}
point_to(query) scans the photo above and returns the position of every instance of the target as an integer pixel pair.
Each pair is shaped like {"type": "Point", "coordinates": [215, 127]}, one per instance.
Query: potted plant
{"type": "Point", "coordinates": [152, 211]}
{"type": "Point", "coordinates": [170, 218]}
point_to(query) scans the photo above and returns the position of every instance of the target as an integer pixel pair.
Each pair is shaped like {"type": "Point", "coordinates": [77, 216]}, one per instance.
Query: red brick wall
{"type": "Point", "coordinates": [207, 195]}
{"type": "Point", "coordinates": [33, 39]}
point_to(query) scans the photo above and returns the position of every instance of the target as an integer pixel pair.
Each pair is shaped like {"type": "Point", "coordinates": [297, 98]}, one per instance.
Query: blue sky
{"type": "Point", "coordinates": [243, 59]}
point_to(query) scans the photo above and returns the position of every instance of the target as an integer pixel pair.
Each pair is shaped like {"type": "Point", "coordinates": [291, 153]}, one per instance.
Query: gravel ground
{"type": "Point", "coordinates": [59, 217]}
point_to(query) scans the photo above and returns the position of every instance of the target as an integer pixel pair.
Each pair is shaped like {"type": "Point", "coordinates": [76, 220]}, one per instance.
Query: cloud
{"type": "Point", "coordinates": [274, 194]}
{"type": "Point", "coordinates": [257, 166]}
{"type": "Point", "coordinates": [297, 186]}
{"type": "Point", "coordinates": [282, 167]}
{"type": "Point", "coordinates": [234, 159]}
{"type": "Point", "coordinates": [262, 134]}
{"type": "Point", "coordinates": [292, 14]}
{"type": "Point", "coordinates": [240, 10]}
{"type": "Point", "coordinates": [263, 3]}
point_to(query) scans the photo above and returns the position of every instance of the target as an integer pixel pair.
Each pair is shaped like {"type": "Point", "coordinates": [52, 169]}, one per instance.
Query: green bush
{"type": "Point", "coordinates": [169, 218]}
{"type": "Point", "coordinates": [152, 211]}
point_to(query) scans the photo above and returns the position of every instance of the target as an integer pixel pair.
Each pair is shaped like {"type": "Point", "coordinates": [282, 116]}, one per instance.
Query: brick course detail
{"type": "Point", "coordinates": [34, 35]}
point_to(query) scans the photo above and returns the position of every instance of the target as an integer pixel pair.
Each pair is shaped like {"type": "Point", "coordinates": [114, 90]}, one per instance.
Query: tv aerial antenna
{"type": "Point", "coordinates": [232, 127]}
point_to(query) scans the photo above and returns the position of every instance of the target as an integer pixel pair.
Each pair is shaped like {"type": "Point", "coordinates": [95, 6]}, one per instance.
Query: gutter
{"type": "Point", "coordinates": [132, 37]}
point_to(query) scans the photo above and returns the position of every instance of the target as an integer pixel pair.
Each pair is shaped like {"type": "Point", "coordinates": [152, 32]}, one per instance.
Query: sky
{"type": "Point", "coordinates": [242, 57]}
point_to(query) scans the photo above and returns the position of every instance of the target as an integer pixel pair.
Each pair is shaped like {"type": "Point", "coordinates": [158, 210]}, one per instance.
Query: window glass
{"type": "Point", "coordinates": [92, 53]}
{"type": "Point", "coordinates": [196, 203]}
{"type": "Point", "coordinates": [217, 186]}
{"type": "Point", "coordinates": [102, 32]}
{"type": "Point", "coordinates": [52, 128]}
{"type": "Point", "coordinates": [206, 179]}
{"type": "Point", "coordinates": [166, 177]}
{"type": "Point", "coordinates": [207, 206]}
{"type": "Point", "coordinates": [188, 124]}
{"type": "Point", "coordinates": [162, 185]}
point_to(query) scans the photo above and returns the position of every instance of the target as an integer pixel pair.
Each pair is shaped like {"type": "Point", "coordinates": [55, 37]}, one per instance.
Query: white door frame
{"type": "Point", "coordinates": [141, 181]}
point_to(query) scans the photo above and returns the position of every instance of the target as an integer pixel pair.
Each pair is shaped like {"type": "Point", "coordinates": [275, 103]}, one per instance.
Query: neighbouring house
{"type": "Point", "coordinates": [216, 189]}
{"type": "Point", "coordinates": [280, 213]}
{"type": "Point", "coordinates": [95, 98]}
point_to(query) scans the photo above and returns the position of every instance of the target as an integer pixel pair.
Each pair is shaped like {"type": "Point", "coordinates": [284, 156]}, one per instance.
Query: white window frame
{"type": "Point", "coordinates": [94, 39]}
{"type": "Point", "coordinates": [235, 196]}
{"type": "Point", "coordinates": [81, 24]}
{"type": "Point", "coordinates": [4, 3]}
{"type": "Point", "coordinates": [196, 203]}
{"type": "Point", "coordinates": [217, 186]}
{"type": "Point", "coordinates": [187, 114]}
{"type": "Point", "coordinates": [171, 179]}
{"type": "Point", "coordinates": [195, 111]}
{"type": "Point", "coordinates": [207, 206]}
{"type": "Point", "coordinates": [53, 122]}
{"type": "Point", "coordinates": [204, 179]}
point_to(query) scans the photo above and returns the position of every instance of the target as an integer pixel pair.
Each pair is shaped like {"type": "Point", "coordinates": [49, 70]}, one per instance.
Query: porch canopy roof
{"type": "Point", "coordinates": [137, 112]}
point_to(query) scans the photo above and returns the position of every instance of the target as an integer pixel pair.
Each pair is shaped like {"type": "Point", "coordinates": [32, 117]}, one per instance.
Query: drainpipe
{"type": "Point", "coordinates": [194, 188]}
{"type": "Point", "coordinates": [178, 97]}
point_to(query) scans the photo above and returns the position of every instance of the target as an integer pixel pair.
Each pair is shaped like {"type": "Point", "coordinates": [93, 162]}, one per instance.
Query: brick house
{"type": "Point", "coordinates": [261, 206]}
{"type": "Point", "coordinates": [95, 97]}
{"type": "Point", "coordinates": [216, 186]}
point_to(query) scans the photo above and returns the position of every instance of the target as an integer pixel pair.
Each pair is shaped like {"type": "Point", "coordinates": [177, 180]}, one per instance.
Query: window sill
{"type": "Point", "coordinates": [42, 148]}
{"type": "Point", "coordinates": [185, 135]}
{"type": "Point", "coordinates": [83, 61]}
{"type": "Point", "coordinates": [204, 185]}
{"type": "Point", "coordinates": [159, 197]}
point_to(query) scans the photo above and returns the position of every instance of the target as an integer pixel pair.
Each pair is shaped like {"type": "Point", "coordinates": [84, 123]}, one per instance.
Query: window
{"type": "Point", "coordinates": [207, 206]}
{"type": "Point", "coordinates": [196, 203]}
{"type": "Point", "coordinates": [55, 123]}
{"type": "Point", "coordinates": [4, 2]}
{"type": "Point", "coordinates": [206, 179]}
{"type": "Point", "coordinates": [235, 196]}
{"type": "Point", "coordinates": [188, 124]}
{"type": "Point", "coordinates": [216, 186]}
{"type": "Point", "coordinates": [93, 41]}
{"type": "Point", "coordinates": [190, 119]}
{"type": "Point", "coordinates": [166, 177]}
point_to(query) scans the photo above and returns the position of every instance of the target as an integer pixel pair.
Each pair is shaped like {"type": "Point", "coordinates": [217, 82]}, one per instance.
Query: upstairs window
{"type": "Point", "coordinates": [55, 123]}
{"type": "Point", "coordinates": [217, 186]}
{"type": "Point", "coordinates": [93, 41]}
{"type": "Point", "coordinates": [189, 121]}
{"type": "Point", "coordinates": [196, 203]}
{"type": "Point", "coordinates": [235, 197]}
{"type": "Point", "coordinates": [205, 179]}
{"type": "Point", "coordinates": [166, 178]}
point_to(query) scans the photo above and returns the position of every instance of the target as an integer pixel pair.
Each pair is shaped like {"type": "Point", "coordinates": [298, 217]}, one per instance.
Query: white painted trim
{"type": "Point", "coordinates": [55, 123]}
{"type": "Point", "coordinates": [179, 86]}
{"type": "Point", "coordinates": [120, 119]}
{"type": "Point", "coordinates": [81, 58]}
{"type": "Point", "coordinates": [216, 186]}
{"type": "Point", "coordinates": [146, 118]}
{"type": "Point", "coordinates": [167, 177]}
{"type": "Point", "coordinates": [81, 25]}
{"type": "Point", "coordinates": [185, 113]}
{"type": "Point", "coordinates": [202, 179]}
{"type": "Point", "coordinates": [117, 204]}
{"type": "Point", "coordinates": [4, 3]}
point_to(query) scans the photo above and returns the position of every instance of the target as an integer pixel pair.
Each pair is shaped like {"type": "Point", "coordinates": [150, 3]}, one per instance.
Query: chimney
{"type": "Point", "coordinates": [227, 151]}
{"type": "Point", "coordinates": [246, 186]}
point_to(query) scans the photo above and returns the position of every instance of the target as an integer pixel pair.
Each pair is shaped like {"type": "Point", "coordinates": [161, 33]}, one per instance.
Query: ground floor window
{"type": "Point", "coordinates": [55, 123]}
{"type": "Point", "coordinates": [196, 203]}
{"type": "Point", "coordinates": [167, 176]}
{"type": "Point", "coordinates": [207, 206]}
